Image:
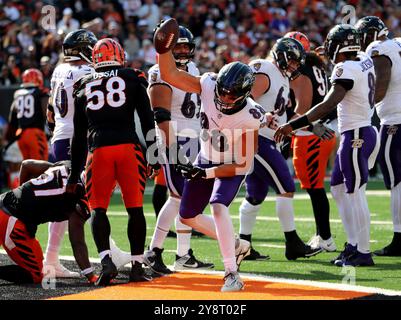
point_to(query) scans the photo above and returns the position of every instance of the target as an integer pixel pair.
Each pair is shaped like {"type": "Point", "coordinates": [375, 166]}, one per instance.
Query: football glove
{"type": "Point", "coordinates": [321, 131]}
{"type": "Point", "coordinates": [190, 172]}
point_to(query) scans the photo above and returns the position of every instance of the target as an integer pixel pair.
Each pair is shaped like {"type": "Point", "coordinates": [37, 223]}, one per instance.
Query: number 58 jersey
{"type": "Point", "coordinates": [184, 106]}
{"type": "Point", "coordinates": [62, 83]}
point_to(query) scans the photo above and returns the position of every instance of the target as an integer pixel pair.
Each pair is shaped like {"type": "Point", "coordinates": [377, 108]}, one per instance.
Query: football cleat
{"type": "Point", "coordinates": [349, 249]}
{"type": "Point", "coordinates": [256, 256]}
{"type": "Point", "coordinates": [138, 274]}
{"type": "Point", "coordinates": [60, 270]}
{"type": "Point", "coordinates": [153, 259]}
{"type": "Point", "coordinates": [232, 282]}
{"type": "Point", "coordinates": [298, 249]}
{"type": "Point", "coordinates": [392, 250]}
{"type": "Point", "coordinates": [190, 262]}
{"type": "Point", "coordinates": [242, 249]}
{"type": "Point", "coordinates": [171, 234]}
{"type": "Point", "coordinates": [120, 258]}
{"type": "Point", "coordinates": [327, 245]}
{"type": "Point", "coordinates": [108, 273]}
{"type": "Point", "coordinates": [357, 259]}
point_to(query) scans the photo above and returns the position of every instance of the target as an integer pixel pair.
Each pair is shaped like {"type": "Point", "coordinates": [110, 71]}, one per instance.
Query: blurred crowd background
{"type": "Point", "coordinates": [225, 30]}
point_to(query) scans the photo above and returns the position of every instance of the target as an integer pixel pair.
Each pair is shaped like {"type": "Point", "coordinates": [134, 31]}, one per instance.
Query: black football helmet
{"type": "Point", "coordinates": [78, 45]}
{"type": "Point", "coordinates": [286, 49]}
{"type": "Point", "coordinates": [185, 36]}
{"type": "Point", "coordinates": [370, 29]}
{"type": "Point", "coordinates": [233, 85]}
{"type": "Point", "coordinates": [341, 38]}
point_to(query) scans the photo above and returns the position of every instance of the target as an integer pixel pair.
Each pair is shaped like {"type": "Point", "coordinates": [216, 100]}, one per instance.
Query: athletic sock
{"type": "Point", "coordinates": [100, 229]}
{"type": "Point", "coordinates": [136, 230]}
{"type": "Point", "coordinates": [396, 207]}
{"type": "Point", "coordinates": [159, 197]}
{"type": "Point", "coordinates": [285, 213]}
{"type": "Point", "coordinates": [56, 235]}
{"type": "Point", "coordinates": [248, 213]}
{"type": "Point", "coordinates": [184, 233]}
{"type": "Point", "coordinates": [321, 211]}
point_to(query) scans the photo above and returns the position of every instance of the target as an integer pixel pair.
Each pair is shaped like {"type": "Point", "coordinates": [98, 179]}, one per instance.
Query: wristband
{"type": "Point", "coordinates": [299, 123]}
{"type": "Point", "coordinates": [210, 173]}
{"type": "Point", "coordinates": [87, 271]}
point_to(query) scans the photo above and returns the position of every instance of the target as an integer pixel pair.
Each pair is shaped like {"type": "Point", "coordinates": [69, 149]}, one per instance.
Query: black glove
{"type": "Point", "coordinates": [320, 130]}
{"type": "Point", "coordinates": [190, 172]}
{"type": "Point", "coordinates": [153, 170]}
{"type": "Point", "coordinates": [285, 148]}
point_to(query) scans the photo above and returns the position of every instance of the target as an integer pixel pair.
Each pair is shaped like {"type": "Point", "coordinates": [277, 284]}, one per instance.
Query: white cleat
{"type": "Point", "coordinates": [232, 282]}
{"type": "Point", "coordinates": [120, 258]}
{"type": "Point", "coordinates": [317, 242]}
{"type": "Point", "coordinates": [314, 241]}
{"type": "Point", "coordinates": [242, 249]}
{"type": "Point", "coordinates": [59, 271]}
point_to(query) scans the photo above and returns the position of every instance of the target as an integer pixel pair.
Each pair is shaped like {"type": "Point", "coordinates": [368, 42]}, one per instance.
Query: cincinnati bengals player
{"type": "Point", "coordinates": [27, 117]}
{"type": "Point", "coordinates": [105, 104]}
{"type": "Point", "coordinates": [40, 199]}
{"type": "Point", "coordinates": [311, 153]}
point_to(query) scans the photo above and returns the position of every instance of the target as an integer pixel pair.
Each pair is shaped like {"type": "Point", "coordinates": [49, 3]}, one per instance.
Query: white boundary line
{"type": "Point", "coordinates": [252, 276]}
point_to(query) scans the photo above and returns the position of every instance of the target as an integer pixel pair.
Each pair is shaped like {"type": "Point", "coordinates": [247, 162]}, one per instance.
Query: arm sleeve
{"type": "Point", "coordinates": [145, 112]}
{"type": "Point", "coordinates": [79, 140]}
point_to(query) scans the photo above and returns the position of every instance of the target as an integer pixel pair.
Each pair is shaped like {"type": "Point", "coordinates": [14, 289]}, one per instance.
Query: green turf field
{"type": "Point", "coordinates": [268, 238]}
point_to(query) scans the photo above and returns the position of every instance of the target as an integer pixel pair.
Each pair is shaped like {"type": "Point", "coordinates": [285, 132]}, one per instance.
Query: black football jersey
{"type": "Point", "coordinates": [44, 199]}
{"type": "Point", "coordinates": [26, 110]}
{"type": "Point", "coordinates": [105, 104]}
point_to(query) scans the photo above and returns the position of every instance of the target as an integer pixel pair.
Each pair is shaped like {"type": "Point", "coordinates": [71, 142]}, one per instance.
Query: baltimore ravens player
{"type": "Point", "coordinates": [311, 153]}
{"type": "Point", "coordinates": [177, 117]}
{"type": "Point", "coordinates": [41, 198]}
{"type": "Point", "coordinates": [386, 56]}
{"type": "Point", "coordinates": [230, 121]}
{"type": "Point", "coordinates": [353, 90]}
{"type": "Point", "coordinates": [271, 91]}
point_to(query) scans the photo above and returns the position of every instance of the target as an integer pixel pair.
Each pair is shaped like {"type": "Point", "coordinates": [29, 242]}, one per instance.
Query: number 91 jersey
{"type": "Point", "coordinates": [185, 106]}
{"type": "Point", "coordinates": [221, 133]}
{"type": "Point", "coordinates": [277, 96]}
{"type": "Point", "coordinates": [62, 84]}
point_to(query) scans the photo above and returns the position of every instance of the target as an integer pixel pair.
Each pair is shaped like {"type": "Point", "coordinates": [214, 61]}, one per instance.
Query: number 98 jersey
{"type": "Point", "coordinates": [184, 106]}
{"type": "Point", "coordinates": [62, 83]}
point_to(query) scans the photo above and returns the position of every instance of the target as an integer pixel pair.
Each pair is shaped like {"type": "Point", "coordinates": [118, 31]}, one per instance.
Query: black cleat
{"type": "Point", "coordinates": [108, 273]}
{"type": "Point", "coordinates": [138, 274]}
{"type": "Point", "coordinates": [389, 251]}
{"type": "Point", "coordinates": [171, 234]}
{"type": "Point", "coordinates": [298, 249]}
{"type": "Point", "coordinates": [153, 259]}
{"type": "Point", "coordinates": [256, 256]}
{"type": "Point", "coordinates": [348, 251]}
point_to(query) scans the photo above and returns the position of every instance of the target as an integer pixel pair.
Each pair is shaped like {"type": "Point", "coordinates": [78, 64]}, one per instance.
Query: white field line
{"type": "Point", "coordinates": [251, 276]}
{"type": "Point", "coordinates": [151, 214]}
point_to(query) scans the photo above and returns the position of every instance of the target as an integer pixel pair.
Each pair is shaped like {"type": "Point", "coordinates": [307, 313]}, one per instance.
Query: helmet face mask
{"type": "Point", "coordinates": [289, 55]}
{"type": "Point", "coordinates": [341, 38]}
{"type": "Point", "coordinates": [370, 28]}
{"type": "Point", "coordinates": [78, 45]}
{"type": "Point", "coordinates": [185, 37]}
{"type": "Point", "coordinates": [233, 85]}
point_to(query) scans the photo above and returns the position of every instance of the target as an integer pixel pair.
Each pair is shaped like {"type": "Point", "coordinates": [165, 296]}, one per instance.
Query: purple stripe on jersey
{"type": "Point", "coordinates": [352, 161]}
{"type": "Point", "coordinates": [390, 154]}
{"type": "Point", "coordinates": [270, 169]}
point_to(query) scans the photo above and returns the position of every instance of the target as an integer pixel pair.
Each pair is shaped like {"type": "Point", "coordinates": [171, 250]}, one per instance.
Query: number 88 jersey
{"type": "Point", "coordinates": [185, 106]}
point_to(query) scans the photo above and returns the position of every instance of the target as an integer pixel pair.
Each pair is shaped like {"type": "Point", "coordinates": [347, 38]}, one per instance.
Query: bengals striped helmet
{"type": "Point", "coordinates": [301, 38]}
{"type": "Point", "coordinates": [32, 77]}
{"type": "Point", "coordinates": [107, 52]}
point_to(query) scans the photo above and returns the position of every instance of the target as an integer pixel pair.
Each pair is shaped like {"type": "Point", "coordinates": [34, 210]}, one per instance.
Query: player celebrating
{"type": "Point", "coordinates": [311, 153]}
{"type": "Point", "coordinates": [105, 104]}
{"type": "Point", "coordinates": [177, 117]}
{"type": "Point", "coordinates": [77, 50]}
{"type": "Point", "coordinates": [271, 91]}
{"type": "Point", "coordinates": [27, 117]}
{"type": "Point", "coordinates": [38, 201]}
{"type": "Point", "coordinates": [353, 85]}
{"type": "Point", "coordinates": [385, 54]}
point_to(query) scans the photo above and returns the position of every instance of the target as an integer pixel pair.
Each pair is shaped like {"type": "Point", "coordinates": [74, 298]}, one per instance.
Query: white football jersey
{"type": "Point", "coordinates": [185, 106]}
{"type": "Point", "coordinates": [388, 109]}
{"type": "Point", "coordinates": [356, 109]}
{"type": "Point", "coordinates": [277, 96]}
{"type": "Point", "coordinates": [220, 137]}
{"type": "Point", "coordinates": [62, 85]}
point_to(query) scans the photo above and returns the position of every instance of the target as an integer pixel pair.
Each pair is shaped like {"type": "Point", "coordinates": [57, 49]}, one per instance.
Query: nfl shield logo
{"type": "Point", "coordinates": [339, 72]}
{"type": "Point", "coordinates": [153, 77]}
{"type": "Point", "coordinates": [257, 66]}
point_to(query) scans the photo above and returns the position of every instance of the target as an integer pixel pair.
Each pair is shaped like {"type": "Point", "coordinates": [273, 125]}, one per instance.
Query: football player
{"type": "Point", "coordinates": [77, 50]}
{"type": "Point", "coordinates": [177, 117]}
{"type": "Point", "coordinates": [353, 90]}
{"type": "Point", "coordinates": [39, 200]}
{"type": "Point", "coordinates": [27, 117]}
{"type": "Point", "coordinates": [105, 104]}
{"type": "Point", "coordinates": [271, 90]}
{"type": "Point", "coordinates": [230, 121]}
{"type": "Point", "coordinates": [310, 152]}
{"type": "Point", "coordinates": [386, 57]}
